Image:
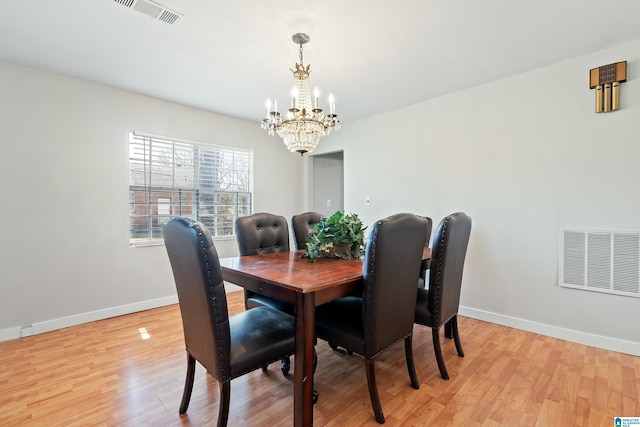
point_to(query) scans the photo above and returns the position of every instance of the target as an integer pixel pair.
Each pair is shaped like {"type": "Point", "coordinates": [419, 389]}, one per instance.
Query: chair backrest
{"type": "Point", "coordinates": [301, 224]}
{"type": "Point", "coordinates": [427, 239]}
{"type": "Point", "coordinates": [201, 295]}
{"type": "Point", "coordinates": [392, 265]}
{"type": "Point", "coordinates": [447, 263]}
{"type": "Point", "coordinates": [262, 233]}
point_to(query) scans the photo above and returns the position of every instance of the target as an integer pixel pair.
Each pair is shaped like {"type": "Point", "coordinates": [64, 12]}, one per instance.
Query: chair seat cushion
{"type": "Point", "coordinates": [340, 322]}
{"type": "Point", "coordinates": [257, 300]}
{"type": "Point", "coordinates": [423, 315]}
{"type": "Point", "coordinates": [259, 335]}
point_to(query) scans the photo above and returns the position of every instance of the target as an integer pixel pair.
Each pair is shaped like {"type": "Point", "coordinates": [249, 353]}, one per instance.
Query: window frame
{"type": "Point", "coordinates": [215, 181]}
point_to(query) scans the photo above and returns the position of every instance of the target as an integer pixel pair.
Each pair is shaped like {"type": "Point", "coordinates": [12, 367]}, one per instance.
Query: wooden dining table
{"type": "Point", "coordinates": [288, 277]}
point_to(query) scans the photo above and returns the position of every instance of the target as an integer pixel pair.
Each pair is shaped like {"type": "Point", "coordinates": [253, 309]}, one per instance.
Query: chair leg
{"type": "Point", "coordinates": [188, 383]}
{"type": "Point", "coordinates": [447, 329]}
{"type": "Point", "coordinates": [316, 395]}
{"type": "Point", "coordinates": [408, 353]}
{"type": "Point", "coordinates": [334, 347]}
{"type": "Point", "coordinates": [315, 360]}
{"type": "Point", "coordinates": [456, 335]}
{"type": "Point", "coordinates": [373, 390]}
{"type": "Point", "coordinates": [285, 365]}
{"type": "Point", "coordinates": [436, 348]}
{"type": "Point", "coordinates": [223, 408]}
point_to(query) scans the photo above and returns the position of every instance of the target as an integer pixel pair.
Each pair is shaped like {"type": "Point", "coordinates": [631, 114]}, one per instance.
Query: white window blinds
{"type": "Point", "coordinates": [169, 177]}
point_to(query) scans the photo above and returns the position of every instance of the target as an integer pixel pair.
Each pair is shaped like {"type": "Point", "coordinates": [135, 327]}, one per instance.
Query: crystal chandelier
{"type": "Point", "coordinates": [304, 123]}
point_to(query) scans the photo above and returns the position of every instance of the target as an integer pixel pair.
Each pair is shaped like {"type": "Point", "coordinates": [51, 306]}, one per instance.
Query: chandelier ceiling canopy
{"type": "Point", "coordinates": [305, 122]}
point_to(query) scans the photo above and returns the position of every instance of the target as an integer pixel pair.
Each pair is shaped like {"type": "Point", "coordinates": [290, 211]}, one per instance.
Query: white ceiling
{"type": "Point", "coordinates": [373, 55]}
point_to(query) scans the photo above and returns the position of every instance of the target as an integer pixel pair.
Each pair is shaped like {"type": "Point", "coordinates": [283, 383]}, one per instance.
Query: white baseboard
{"type": "Point", "coordinates": [614, 344]}
{"type": "Point", "coordinates": [599, 341]}
{"type": "Point", "coordinates": [91, 316]}
{"type": "Point", "coordinates": [9, 333]}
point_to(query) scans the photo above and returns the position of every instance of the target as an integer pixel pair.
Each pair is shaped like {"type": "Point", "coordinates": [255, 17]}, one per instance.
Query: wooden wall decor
{"type": "Point", "coordinates": [606, 81]}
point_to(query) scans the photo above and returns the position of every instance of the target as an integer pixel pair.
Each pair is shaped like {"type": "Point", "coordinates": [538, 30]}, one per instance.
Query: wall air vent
{"type": "Point", "coordinates": [600, 260]}
{"type": "Point", "coordinates": [153, 9]}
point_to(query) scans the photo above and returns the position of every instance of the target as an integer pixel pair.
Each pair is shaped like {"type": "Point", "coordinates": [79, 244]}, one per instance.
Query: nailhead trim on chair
{"type": "Point", "coordinates": [436, 308]}
{"type": "Point", "coordinates": [203, 248]}
{"type": "Point", "coordinates": [371, 279]}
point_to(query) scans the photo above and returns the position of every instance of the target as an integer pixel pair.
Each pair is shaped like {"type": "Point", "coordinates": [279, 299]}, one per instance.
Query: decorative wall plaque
{"type": "Point", "coordinates": [606, 81]}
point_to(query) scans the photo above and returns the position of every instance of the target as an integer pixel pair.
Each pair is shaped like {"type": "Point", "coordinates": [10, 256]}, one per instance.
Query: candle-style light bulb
{"type": "Point", "coordinates": [275, 105]}
{"type": "Point", "coordinates": [332, 105]}
{"type": "Point", "coordinates": [268, 105]}
{"type": "Point", "coordinates": [316, 94]}
{"type": "Point", "coordinates": [294, 95]}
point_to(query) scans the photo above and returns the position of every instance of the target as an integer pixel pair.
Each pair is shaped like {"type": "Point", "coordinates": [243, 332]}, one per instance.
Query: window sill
{"type": "Point", "coordinates": [152, 243]}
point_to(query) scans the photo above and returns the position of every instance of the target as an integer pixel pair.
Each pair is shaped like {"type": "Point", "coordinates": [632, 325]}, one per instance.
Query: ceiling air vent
{"type": "Point", "coordinates": [153, 9]}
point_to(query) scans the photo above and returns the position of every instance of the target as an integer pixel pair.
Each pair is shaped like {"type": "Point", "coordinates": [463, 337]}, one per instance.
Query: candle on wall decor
{"type": "Point", "coordinates": [607, 97]}
{"type": "Point", "coordinates": [615, 95]}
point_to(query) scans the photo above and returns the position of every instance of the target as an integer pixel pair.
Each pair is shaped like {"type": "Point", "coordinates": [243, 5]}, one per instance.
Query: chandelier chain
{"type": "Point", "coordinates": [301, 63]}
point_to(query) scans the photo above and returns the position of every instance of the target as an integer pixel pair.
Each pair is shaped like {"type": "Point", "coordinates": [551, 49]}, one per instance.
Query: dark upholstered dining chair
{"type": "Point", "coordinates": [384, 315]}
{"type": "Point", "coordinates": [264, 233]}
{"type": "Point", "coordinates": [438, 304]}
{"type": "Point", "coordinates": [301, 224]}
{"type": "Point", "coordinates": [227, 346]}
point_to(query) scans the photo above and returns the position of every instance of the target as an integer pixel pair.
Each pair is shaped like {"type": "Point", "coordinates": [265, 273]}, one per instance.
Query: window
{"type": "Point", "coordinates": [169, 177]}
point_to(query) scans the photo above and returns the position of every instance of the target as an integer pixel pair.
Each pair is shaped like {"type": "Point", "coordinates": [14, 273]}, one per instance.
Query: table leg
{"type": "Point", "coordinates": [303, 364]}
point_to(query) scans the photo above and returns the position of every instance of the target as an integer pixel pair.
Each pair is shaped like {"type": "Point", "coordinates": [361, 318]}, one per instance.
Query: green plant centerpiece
{"type": "Point", "coordinates": [339, 236]}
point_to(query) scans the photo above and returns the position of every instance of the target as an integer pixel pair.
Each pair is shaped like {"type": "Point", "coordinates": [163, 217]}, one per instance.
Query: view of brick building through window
{"type": "Point", "coordinates": [170, 178]}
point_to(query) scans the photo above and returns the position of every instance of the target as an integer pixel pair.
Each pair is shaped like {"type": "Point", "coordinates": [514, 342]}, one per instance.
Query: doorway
{"type": "Point", "coordinates": [328, 183]}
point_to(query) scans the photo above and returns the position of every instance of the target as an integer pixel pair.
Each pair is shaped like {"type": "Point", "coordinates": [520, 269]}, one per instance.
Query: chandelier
{"type": "Point", "coordinates": [304, 124]}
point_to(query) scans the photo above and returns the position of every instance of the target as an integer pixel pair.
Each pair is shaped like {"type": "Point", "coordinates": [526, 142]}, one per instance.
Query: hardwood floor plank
{"type": "Point", "coordinates": [107, 374]}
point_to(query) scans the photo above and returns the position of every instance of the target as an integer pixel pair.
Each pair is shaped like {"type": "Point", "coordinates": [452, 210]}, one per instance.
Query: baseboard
{"type": "Point", "coordinates": [599, 341]}
{"type": "Point", "coordinates": [614, 344]}
{"type": "Point", "coordinates": [9, 333]}
{"type": "Point", "coordinates": [91, 316]}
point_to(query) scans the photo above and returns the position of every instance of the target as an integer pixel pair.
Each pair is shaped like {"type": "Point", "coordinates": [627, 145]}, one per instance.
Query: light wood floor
{"type": "Point", "coordinates": [105, 374]}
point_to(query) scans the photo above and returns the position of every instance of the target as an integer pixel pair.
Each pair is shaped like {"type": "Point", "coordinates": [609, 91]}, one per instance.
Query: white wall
{"type": "Point", "coordinates": [64, 250]}
{"type": "Point", "coordinates": [523, 157]}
